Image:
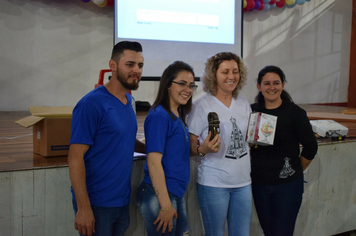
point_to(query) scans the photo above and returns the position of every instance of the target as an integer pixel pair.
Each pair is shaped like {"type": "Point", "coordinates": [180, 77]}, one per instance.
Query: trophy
{"type": "Point", "coordinates": [213, 121]}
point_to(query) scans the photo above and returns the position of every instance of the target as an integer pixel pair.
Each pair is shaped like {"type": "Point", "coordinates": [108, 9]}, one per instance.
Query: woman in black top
{"type": "Point", "coordinates": [277, 170]}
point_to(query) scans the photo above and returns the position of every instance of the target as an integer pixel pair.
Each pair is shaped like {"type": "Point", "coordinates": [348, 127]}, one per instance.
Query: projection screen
{"type": "Point", "coordinates": [186, 30]}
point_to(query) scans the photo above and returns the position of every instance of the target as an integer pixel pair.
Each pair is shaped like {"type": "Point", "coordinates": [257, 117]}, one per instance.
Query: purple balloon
{"type": "Point", "coordinates": [257, 5]}
{"type": "Point", "coordinates": [86, 0]}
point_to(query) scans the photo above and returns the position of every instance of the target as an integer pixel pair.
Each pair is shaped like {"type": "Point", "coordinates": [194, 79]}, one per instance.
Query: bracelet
{"type": "Point", "coordinates": [200, 153]}
{"type": "Point", "coordinates": [167, 209]}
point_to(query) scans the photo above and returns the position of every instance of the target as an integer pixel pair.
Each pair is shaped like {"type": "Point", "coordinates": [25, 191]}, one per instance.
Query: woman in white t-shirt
{"type": "Point", "coordinates": [223, 182]}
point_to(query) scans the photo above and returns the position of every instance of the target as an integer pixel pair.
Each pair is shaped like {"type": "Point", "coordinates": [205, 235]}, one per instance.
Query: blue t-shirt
{"type": "Point", "coordinates": [102, 121]}
{"type": "Point", "coordinates": [171, 138]}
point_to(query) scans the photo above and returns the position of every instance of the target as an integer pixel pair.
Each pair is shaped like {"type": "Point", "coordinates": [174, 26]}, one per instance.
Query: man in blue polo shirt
{"type": "Point", "coordinates": [102, 145]}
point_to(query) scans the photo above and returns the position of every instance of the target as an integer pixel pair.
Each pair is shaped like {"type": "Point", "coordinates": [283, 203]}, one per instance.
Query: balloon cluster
{"type": "Point", "coordinates": [265, 5]}
{"type": "Point", "coordinates": [101, 3]}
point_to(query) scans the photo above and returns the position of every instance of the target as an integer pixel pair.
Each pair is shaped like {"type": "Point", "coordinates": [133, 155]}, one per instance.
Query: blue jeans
{"type": "Point", "coordinates": [109, 221]}
{"type": "Point", "coordinates": [217, 204]}
{"type": "Point", "coordinates": [148, 204]}
{"type": "Point", "coordinates": [277, 206]}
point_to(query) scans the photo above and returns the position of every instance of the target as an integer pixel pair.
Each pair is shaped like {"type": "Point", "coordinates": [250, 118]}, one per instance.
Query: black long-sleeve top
{"type": "Point", "coordinates": [280, 163]}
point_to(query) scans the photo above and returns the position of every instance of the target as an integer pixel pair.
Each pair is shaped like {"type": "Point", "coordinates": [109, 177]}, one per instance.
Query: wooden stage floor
{"type": "Point", "coordinates": [16, 152]}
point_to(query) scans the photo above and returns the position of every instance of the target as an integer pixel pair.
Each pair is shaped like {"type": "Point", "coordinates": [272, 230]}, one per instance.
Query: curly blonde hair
{"type": "Point", "coordinates": [212, 65]}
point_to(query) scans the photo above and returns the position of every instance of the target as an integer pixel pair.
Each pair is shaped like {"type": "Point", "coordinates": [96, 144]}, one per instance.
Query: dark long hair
{"type": "Point", "coordinates": [259, 99]}
{"type": "Point", "coordinates": [169, 74]}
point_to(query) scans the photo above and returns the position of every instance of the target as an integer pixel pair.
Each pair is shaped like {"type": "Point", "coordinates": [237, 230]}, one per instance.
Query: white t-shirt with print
{"type": "Point", "coordinates": [230, 166]}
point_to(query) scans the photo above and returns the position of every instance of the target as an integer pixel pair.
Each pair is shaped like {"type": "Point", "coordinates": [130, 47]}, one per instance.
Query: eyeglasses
{"type": "Point", "coordinates": [185, 85]}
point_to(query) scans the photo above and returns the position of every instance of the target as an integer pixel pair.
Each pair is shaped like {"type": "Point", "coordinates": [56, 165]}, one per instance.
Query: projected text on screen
{"type": "Point", "coordinates": [206, 21]}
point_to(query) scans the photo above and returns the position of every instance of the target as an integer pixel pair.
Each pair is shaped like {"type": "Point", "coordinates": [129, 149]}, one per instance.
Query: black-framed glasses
{"type": "Point", "coordinates": [185, 85]}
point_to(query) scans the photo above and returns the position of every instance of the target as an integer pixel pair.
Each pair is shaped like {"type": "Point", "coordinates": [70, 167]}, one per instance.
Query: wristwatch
{"type": "Point", "coordinates": [200, 153]}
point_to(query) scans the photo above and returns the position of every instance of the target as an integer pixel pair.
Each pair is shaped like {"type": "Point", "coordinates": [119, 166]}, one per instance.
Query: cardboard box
{"type": "Point", "coordinates": [261, 129]}
{"type": "Point", "coordinates": [328, 128]}
{"type": "Point", "coordinates": [51, 129]}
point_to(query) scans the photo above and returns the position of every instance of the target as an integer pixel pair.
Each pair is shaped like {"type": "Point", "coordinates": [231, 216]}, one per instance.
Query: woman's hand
{"type": "Point", "coordinates": [165, 219]}
{"type": "Point", "coordinates": [167, 212]}
{"type": "Point", "coordinates": [210, 146]}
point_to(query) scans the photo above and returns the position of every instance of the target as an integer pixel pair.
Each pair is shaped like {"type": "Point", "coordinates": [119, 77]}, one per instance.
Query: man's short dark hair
{"type": "Point", "coordinates": [124, 45]}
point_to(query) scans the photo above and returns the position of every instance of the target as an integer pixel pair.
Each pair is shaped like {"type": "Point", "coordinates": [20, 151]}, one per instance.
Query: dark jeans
{"type": "Point", "coordinates": [277, 206]}
{"type": "Point", "coordinates": [113, 221]}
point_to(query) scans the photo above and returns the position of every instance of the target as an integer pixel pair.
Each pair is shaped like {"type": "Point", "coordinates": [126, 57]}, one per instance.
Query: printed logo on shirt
{"type": "Point", "coordinates": [237, 147]}
{"type": "Point", "coordinates": [287, 169]}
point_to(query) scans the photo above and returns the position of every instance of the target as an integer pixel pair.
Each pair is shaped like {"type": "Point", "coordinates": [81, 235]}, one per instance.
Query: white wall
{"type": "Point", "coordinates": [311, 43]}
{"type": "Point", "coordinates": [51, 52]}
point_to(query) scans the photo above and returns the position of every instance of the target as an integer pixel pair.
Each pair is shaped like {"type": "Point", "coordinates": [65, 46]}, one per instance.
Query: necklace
{"type": "Point", "coordinates": [184, 128]}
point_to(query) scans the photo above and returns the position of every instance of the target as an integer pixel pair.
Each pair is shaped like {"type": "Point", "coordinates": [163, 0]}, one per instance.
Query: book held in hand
{"type": "Point", "coordinates": [261, 128]}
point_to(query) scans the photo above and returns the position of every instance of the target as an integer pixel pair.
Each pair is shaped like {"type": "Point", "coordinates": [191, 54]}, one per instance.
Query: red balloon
{"type": "Point", "coordinates": [261, 7]}
{"type": "Point", "coordinates": [280, 3]}
{"type": "Point", "coordinates": [272, 2]}
{"type": "Point", "coordinates": [250, 4]}
{"type": "Point", "coordinates": [110, 3]}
